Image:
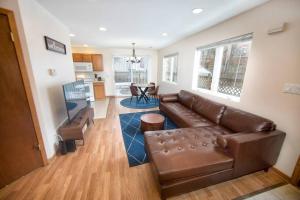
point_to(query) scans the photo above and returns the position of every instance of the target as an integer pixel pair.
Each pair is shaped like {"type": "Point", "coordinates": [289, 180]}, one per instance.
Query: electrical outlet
{"type": "Point", "coordinates": [291, 88]}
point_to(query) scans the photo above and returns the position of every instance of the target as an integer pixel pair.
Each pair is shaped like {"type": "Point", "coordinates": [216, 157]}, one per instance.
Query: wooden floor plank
{"type": "Point", "coordinates": [100, 170]}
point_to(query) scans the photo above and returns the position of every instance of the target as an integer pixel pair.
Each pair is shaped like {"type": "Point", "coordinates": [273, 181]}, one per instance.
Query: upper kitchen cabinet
{"type": "Point", "coordinates": [77, 57]}
{"type": "Point", "coordinates": [86, 58]}
{"type": "Point", "coordinates": [95, 59]}
{"type": "Point", "coordinates": [97, 62]}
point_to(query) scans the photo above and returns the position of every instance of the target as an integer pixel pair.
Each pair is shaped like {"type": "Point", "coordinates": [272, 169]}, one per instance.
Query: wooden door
{"type": "Point", "coordinates": [77, 57]}
{"type": "Point", "coordinates": [19, 152]}
{"type": "Point", "coordinates": [99, 91]}
{"type": "Point", "coordinates": [97, 62]}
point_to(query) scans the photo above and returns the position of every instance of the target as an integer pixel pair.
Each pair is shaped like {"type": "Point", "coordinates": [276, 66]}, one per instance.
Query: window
{"type": "Point", "coordinates": [126, 72]}
{"type": "Point", "coordinates": [170, 68]}
{"type": "Point", "coordinates": [221, 67]}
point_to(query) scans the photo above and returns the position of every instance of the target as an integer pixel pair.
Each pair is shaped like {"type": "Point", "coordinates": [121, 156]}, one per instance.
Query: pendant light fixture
{"type": "Point", "coordinates": [134, 59]}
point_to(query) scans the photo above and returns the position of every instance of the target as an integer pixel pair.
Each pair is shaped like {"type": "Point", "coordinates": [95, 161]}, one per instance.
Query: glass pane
{"type": "Point", "coordinates": [126, 72]}
{"type": "Point", "coordinates": [140, 72]}
{"type": "Point", "coordinates": [175, 66]}
{"type": "Point", "coordinates": [233, 69]}
{"type": "Point", "coordinates": [206, 68]}
{"type": "Point", "coordinates": [122, 69]}
{"type": "Point", "coordinates": [167, 69]}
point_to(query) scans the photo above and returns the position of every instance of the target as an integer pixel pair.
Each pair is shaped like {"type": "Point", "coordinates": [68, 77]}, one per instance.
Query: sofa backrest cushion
{"type": "Point", "coordinates": [241, 121]}
{"type": "Point", "coordinates": [209, 109]}
{"type": "Point", "coordinates": [186, 98]}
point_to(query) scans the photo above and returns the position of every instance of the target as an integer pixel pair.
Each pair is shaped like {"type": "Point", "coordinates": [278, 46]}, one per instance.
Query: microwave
{"type": "Point", "coordinates": [83, 67]}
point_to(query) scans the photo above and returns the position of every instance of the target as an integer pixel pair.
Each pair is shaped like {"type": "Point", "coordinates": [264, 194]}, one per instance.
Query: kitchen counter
{"type": "Point", "coordinates": [102, 81]}
{"type": "Point", "coordinates": [98, 82]}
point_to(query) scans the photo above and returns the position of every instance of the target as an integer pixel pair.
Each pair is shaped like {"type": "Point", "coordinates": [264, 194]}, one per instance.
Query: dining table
{"type": "Point", "coordinates": [143, 89]}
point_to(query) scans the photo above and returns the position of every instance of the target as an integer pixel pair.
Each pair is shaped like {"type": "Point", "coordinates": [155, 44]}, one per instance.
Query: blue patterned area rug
{"type": "Point", "coordinates": [134, 139]}
{"type": "Point", "coordinates": [141, 104]}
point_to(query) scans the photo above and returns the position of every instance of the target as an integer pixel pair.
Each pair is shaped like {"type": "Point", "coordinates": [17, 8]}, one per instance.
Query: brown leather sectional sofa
{"type": "Point", "coordinates": [215, 143]}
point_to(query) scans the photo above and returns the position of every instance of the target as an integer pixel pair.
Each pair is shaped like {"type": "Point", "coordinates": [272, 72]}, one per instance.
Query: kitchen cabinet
{"type": "Point", "coordinates": [95, 59]}
{"type": "Point", "coordinates": [86, 58]}
{"type": "Point", "coordinates": [99, 90]}
{"type": "Point", "coordinates": [97, 62]}
{"type": "Point", "coordinates": [77, 57]}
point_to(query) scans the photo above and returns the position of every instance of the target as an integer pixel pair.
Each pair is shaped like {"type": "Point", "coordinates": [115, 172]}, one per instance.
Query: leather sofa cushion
{"type": "Point", "coordinates": [186, 152]}
{"type": "Point", "coordinates": [173, 97]}
{"type": "Point", "coordinates": [209, 109]}
{"type": "Point", "coordinates": [170, 98]}
{"type": "Point", "coordinates": [241, 121]}
{"type": "Point", "coordinates": [186, 98]}
{"type": "Point", "coordinates": [183, 116]}
{"type": "Point", "coordinates": [218, 130]}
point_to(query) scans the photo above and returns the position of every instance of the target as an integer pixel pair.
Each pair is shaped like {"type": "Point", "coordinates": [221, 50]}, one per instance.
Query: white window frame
{"type": "Point", "coordinates": [173, 65]}
{"type": "Point", "coordinates": [219, 46]}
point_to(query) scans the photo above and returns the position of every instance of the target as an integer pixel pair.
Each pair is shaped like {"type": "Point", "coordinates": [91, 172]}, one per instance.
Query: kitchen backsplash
{"type": "Point", "coordinates": [91, 76]}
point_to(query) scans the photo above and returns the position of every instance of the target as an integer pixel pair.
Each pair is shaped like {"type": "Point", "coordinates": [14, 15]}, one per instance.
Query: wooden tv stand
{"type": "Point", "coordinates": [74, 130]}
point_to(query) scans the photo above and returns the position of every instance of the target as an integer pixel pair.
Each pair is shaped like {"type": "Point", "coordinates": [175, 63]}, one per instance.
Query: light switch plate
{"type": "Point", "coordinates": [52, 72]}
{"type": "Point", "coordinates": [291, 88]}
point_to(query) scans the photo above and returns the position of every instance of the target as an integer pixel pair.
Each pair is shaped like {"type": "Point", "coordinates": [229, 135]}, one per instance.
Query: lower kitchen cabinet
{"type": "Point", "coordinates": [99, 90]}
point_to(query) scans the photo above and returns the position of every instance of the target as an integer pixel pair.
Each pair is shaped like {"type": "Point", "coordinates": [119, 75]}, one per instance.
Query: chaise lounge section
{"type": "Point", "coordinates": [214, 143]}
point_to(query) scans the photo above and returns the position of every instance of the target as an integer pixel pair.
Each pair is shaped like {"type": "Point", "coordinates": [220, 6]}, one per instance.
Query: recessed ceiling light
{"type": "Point", "coordinates": [197, 10]}
{"type": "Point", "coordinates": [164, 34]}
{"type": "Point", "coordinates": [72, 35]}
{"type": "Point", "coordinates": [85, 45]}
{"type": "Point", "coordinates": [103, 29]}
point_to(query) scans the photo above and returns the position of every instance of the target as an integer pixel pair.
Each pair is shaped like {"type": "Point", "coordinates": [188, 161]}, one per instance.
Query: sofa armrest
{"type": "Point", "coordinates": [168, 97]}
{"type": "Point", "coordinates": [254, 151]}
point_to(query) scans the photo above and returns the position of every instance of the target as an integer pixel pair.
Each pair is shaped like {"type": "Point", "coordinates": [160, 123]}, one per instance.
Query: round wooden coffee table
{"type": "Point", "coordinates": [152, 122]}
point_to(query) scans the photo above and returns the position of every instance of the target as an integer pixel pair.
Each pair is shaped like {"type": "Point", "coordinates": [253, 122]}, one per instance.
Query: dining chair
{"type": "Point", "coordinates": [154, 93]}
{"type": "Point", "coordinates": [152, 88]}
{"type": "Point", "coordinates": [134, 93]}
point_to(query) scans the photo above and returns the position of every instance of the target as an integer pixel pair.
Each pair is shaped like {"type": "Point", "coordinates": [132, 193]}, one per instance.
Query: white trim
{"type": "Point", "coordinates": [217, 68]}
{"type": "Point", "coordinates": [171, 55]}
{"type": "Point", "coordinates": [174, 63]}
{"type": "Point", "coordinates": [217, 94]}
{"type": "Point", "coordinates": [170, 82]}
{"type": "Point", "coordinates": [241, 38]}
{"type": "Point", "coordinates": [196, 69]}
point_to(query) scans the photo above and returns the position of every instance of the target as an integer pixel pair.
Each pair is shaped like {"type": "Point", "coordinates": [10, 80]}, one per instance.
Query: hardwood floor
{"type": "Point", "coordinates": [99, 170]}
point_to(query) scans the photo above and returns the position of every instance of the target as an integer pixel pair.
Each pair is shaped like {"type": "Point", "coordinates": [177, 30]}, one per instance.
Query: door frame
{"type": "Point", "coordinates": [26, 82]}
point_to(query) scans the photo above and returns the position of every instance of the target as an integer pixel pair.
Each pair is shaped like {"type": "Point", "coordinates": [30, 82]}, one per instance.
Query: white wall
{"type": "Point", "coordinates": [274, 60]}
{"type": "Point", "coordinates": [34, 22]}
{"type": "Point", "coordinates": [108, 54]}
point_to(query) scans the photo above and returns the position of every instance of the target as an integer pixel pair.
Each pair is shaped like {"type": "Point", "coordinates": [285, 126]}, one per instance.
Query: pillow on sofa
{"type": "Point", "coordinates": [209, 109]}
{"type": "Point", "coordinates": [186, 98]}
{"type": "Point", "coordinates": [241, 121]}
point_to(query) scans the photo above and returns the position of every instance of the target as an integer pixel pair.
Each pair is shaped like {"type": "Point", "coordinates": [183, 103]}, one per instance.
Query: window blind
{"type": "Point", "coordinates": [241, 38]}
{"type": "Point", "coordinates": [171, 55]}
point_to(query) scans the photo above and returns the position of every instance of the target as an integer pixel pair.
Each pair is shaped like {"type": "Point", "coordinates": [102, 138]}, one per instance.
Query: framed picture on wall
{"type": "Point", "coordinates": [53, 45]}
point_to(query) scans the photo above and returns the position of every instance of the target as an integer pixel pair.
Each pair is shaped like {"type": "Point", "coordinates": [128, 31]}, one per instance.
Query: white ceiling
{"type": "Point", "coordinates": [141, 21]}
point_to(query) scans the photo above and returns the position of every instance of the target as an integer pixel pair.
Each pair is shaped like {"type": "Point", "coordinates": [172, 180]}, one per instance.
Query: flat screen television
{"type": "Point", "coordinates": [75, 98]}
